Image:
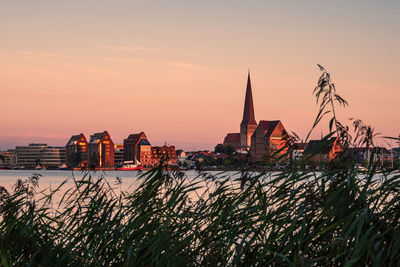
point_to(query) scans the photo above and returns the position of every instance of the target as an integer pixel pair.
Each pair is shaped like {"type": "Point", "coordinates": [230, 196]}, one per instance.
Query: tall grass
{"type": "Point", "coordinates": [339, 216]}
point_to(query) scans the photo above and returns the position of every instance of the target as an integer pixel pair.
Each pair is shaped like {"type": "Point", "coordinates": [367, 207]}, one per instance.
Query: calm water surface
{"type": "Point", "coordinates": [51, 179]}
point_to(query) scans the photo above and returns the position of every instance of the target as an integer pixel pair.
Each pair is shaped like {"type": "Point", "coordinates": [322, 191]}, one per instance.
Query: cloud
{"type": "Point", "coordinates": [128, 48]}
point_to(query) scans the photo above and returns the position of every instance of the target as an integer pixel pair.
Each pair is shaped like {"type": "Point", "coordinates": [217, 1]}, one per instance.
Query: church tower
{"type": "Point", "coordinates": [249, 124]}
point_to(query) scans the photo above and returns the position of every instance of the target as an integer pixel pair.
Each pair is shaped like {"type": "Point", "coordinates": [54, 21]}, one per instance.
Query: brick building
{"type": "Point", "coordinates": [269, 140]}
{"type": "Point", "coordinates": [322, 151]}
{"type": "Point", "coordinates": [137, 148]}
{"type": "Point", "coordinates": [101, 151]}
{"type": "Point", "coordinates": [232, 139]}
{"type": "Point", "coordinates": [165, 153]}
{"type": "Point", "coordinates": [76, 152]}
{"type": "Point", "coordinates": [8, 159]}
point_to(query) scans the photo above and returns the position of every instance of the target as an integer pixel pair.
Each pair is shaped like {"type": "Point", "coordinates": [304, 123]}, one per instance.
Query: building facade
{"type": "Point", "coordinates": [76, 152]}
{"type": "Point", "coordinates": [118, 155]}
{"type": "Point", "coordinates": [101, 151]}
{"type": "Point", "coordinates": [137, 149]}
{"type": "Point", "coordinates": [269, 141]}
{"type": "Point", "coordinates": [8, 159]}
{"type": "Point", "coordinates": [40, 156]}
{"type": "Point", "coordinates": [320, 151]}
{"type": "Point", "coordinates": [165, 154]}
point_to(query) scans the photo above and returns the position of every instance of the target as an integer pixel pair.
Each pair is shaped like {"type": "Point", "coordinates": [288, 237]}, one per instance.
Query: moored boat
{"type": "Point", "coordinates": [129, 166]}
{"type": "Point", "coordinates": [63, 167]}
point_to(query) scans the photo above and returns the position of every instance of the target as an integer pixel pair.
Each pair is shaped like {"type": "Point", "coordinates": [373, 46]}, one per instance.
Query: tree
{"type": "Point", "coordinates": [220, 148]}
{"type": "Point", "coordinates": [224, 149]}
{"type": "Point", "coordinates": [229, 150]}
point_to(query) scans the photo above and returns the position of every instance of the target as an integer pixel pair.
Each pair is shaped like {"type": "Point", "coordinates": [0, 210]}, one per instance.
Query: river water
{"type": "Point", "coordinates": [50, 180]}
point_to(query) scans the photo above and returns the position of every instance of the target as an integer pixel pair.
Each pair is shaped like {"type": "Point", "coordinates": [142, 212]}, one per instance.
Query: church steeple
{"type": "Point", "coordinates": [248, 112]}
{"type": "Point", "coordinates": [249, 124]}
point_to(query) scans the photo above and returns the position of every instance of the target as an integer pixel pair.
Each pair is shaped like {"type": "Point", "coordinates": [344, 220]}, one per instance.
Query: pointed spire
{"type": "Point", "coordinates": [248, 112]}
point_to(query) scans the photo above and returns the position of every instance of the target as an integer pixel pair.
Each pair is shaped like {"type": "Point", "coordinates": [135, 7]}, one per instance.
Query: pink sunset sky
{"type": "Point", "coordinates": [177, 69]}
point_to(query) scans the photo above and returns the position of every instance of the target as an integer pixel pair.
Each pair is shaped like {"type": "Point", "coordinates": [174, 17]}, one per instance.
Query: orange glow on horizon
{"type": "Point", "coordinates": [179, 74]}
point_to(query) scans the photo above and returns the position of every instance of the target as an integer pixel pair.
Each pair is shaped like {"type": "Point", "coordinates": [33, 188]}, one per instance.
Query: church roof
{"type": "Point", "coordinates": [248, 112]}
{"type": "Point", "coordinates": [232, 137]}
{"type": "Point", "coordinates": [268, 126]}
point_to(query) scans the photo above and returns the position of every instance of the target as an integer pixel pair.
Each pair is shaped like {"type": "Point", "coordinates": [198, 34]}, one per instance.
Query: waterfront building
{"type": "Point", "coordinates": [29, 156]}
{"type": "Point", "coordinates": [8, 159]}
{"type": "Point", "coordinates": [101, 151]}
{"type": "Point", "coordinates": [52, 157]}
{"type": "Point", "coordinates": [76, 152]}
{"type": "Point", "coordinates": [269, 140]}
{"type": "Point", "coordinates": [137, 148]}
{"type": "Point", "coordinates": [40, 156]}
{"type": "Point", "coordinates": [319, 151]}
{"type": "Point", "coordinates": [118, 155]}
{"type": "Point", "coordinates": [166, 154]}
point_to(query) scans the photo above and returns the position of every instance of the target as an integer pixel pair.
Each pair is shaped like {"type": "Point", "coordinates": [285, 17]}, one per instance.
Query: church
{"type": "Point", "coordinates": [263, 140]}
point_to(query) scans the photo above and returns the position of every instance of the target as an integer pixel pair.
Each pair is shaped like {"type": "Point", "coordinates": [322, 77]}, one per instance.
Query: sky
{"type": "Point", "coordinates": [177, 70]}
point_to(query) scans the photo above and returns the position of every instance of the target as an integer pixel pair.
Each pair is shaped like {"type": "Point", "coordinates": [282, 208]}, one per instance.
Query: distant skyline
{"type": "Point", "coordinates": [177, 70]}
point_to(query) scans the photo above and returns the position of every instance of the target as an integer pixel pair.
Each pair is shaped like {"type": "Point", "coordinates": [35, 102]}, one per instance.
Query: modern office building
{"type": "Point", "coordinates": [40, 156]}
{"type": "Point", "coordinates": [101, 151]}
{"type": "Point", "coordinates": [76, 152]}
